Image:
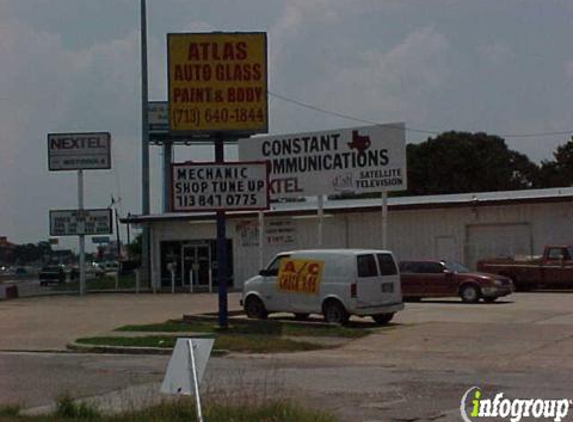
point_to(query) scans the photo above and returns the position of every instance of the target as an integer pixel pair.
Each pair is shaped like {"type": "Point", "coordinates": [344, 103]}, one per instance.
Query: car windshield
{"type": "Point", "coordinates": [456, 267]}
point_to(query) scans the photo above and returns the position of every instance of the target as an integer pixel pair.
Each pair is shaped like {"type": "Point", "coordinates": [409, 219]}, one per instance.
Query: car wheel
{"type": "Point", "coordinates": [470, 294]}
{"type": "Point", "coordinates": [301, 317]}
{"type": "Point", "coordinates": [383, 318]}
{"type": "Point", "coordinates": [254, 308]}
{"type": "Point", "coordinates": [334, 312]}
{"type": "Point", "coordinates": [489, 299]}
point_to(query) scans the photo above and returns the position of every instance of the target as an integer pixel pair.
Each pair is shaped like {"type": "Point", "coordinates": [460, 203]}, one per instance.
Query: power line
{"type": "Point", "coordinates": [408, 128]}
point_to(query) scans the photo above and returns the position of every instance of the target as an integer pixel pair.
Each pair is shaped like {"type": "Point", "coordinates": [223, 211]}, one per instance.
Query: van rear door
{"type": "Point", "coordinates": [369, 284]}
{"type": "Point", "coordinates": [391, 284]}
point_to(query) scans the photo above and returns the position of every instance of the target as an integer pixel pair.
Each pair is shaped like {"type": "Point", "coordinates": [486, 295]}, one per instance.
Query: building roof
{"type": "Point", "coordinates": [310, 206]}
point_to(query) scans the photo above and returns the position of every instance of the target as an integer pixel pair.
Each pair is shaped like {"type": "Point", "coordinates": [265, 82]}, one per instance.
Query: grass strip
{"type": "Point", "coordinates": [181, 410]}
{"type": "Point", "coordinates": [268, 327]}
{"type": "Point", "coordinates": [231, 342]}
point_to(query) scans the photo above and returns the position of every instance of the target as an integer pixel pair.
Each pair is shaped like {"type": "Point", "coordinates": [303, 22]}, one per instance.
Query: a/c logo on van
{"type": "Point", "coordinates": [300, 275]}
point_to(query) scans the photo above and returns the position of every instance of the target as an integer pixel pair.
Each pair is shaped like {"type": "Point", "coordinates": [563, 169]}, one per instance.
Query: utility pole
{"type": "Point", "coordinates": [145, 209]}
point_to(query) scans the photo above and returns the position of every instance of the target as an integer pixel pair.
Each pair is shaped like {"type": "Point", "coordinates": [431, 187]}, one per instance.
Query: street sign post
{"type": "Point", "coordinates": [79, 151]}
{"type": "Point", "coordinates": [218, 87]}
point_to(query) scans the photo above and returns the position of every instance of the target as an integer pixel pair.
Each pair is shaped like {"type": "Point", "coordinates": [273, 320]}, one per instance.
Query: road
{"type": "Point", "coordinates": [416, 370]}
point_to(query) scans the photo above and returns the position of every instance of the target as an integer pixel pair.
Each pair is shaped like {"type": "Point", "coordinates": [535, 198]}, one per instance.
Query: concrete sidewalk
{"type": "Point", "coordinates": [50, 323]}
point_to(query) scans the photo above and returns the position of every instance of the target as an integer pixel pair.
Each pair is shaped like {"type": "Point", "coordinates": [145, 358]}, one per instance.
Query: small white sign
{"type": "Point", "coordinates": [357, 160]}
{"type": "Point", "coordinates": [228, 186]}
{"type": "Point", "coordinates": [78, 222]}
{"type": "Point", "coordinates": [79, 151]}
{"type": "Point", "coordinates": [158, 117]}
{"type": "Point", "coordinates": [179, 375]}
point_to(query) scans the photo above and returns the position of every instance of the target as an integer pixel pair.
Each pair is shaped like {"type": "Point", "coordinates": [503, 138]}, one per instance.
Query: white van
{"type": "Point", "coordinates": [334, 282]}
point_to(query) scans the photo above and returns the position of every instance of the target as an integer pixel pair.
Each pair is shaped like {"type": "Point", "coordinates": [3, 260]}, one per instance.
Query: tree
{"type": "Point", "coordinates": [134, 248]}
{"type": "Point", "coordinates": [558, 173]}
{"type": "Point", "coordinates": [458, 162]}
{"type": "Point", "coordinates": [29, 252]}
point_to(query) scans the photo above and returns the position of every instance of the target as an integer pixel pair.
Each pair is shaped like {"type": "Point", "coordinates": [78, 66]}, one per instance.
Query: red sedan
{"type": "Point", "coordinates": [427, 278]}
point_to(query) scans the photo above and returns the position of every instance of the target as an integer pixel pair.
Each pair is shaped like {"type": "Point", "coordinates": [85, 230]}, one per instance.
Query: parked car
{"type": "Point", "coordinates": [51, 274]}
{"type": "Point", "coordinates": [427, 278]}
{"type": "Point", "coordinates": [552, 269]}
{"type": "Point", "coordinates": [335, 283]}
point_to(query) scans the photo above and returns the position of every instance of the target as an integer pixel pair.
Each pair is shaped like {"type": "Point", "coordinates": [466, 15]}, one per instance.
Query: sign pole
{"type": "Point", "coordinates": [261, 238]}
{"type": "Point", "coordinates": [167, 155]}
{"type": "Point", "coordinates": [82, 237]}
{"type": "Point", "coordinates": [320, 200]}
{"type": "Point", "coordinates": [145, 201]}
{"type": "Point", "coordinates": [221, 243]}
{"type": "Point", "coordinates": [195, 380]}
{"type": "Point", "coordinates": [384, 219]}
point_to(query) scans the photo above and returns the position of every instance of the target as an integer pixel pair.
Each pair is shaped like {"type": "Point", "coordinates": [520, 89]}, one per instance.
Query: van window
{"type": "Point", "coordinates": [386, 263]}
{"type": "Point", "coordinates": [367, 266]}
{"type": "Point", "coordinates": [273, 267]}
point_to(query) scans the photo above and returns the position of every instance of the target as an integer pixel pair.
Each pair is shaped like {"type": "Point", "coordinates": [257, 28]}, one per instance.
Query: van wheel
{"type": "Point", "coordinates": [469, 294]}
{"type": "Point", "coordinates": [334, 312]}
{"type": "Point", "coordinates": [383, 318]}
{"type": "Point", "coordinates": [254, 308]}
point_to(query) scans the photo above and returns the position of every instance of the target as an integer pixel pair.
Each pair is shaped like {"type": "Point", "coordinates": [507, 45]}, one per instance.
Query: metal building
{"type": "Point", "coordinates": [462, 227]}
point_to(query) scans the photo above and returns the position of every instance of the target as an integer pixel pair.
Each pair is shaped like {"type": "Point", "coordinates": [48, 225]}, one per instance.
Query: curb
{"type": "Point", "coordinates": [127, 350]}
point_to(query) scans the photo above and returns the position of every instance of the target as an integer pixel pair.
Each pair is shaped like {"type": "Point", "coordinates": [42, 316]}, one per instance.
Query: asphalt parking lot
{"type": "Point", "coordinates": [417, 370]}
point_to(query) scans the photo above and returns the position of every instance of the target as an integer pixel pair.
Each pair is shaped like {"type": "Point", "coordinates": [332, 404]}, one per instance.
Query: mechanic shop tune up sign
{"type": "Point", "coordinates": [218, 82]}
{"type": "Point", "coordinates": [300, 275]}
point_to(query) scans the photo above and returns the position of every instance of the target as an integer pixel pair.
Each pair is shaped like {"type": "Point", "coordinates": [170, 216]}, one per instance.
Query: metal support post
{"type": "Point", "coordinates": [221, 244]}
{"type": "Point", "coordinates": [167, 155]}
{"type": "Point", "coordinates": [145, 267]}
{"type": "Point", "coordinates": [195, 380]}
{"type": "Point", "coordinates": [384, 219]}
{"type": "Point", "coordinates": [82, 237]}
{"type": "Point", "coordinates": [320, 200]}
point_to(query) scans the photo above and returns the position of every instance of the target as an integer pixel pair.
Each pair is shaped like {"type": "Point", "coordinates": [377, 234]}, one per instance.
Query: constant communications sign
{"type": "Point", "coordinates": [358, 160]}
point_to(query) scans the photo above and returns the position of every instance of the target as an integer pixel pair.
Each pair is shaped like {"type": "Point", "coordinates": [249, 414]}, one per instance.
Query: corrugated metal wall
{"type": "Point", "coordinates": [445, 233]}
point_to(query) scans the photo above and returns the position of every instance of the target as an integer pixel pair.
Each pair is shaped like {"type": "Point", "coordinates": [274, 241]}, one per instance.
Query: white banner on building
{"type": "Point", "coordinates": [278, 231]}
{"type": "Point", "coordinates": [358, 160]}
{"type": "Point", "coordinates": [228, 186]}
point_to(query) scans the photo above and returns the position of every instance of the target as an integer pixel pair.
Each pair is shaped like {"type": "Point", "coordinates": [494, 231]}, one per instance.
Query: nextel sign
{"type": "Point", "coordinates": [79, 151]}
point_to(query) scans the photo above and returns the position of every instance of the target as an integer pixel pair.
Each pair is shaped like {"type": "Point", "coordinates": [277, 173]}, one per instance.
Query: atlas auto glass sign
{"type": "Point", "coordinates": [79, 151]}
{"type": "Point", "coordinates": [357, 160]}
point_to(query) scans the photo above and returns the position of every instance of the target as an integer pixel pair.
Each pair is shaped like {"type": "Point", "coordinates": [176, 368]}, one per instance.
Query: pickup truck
{"type": "Point", "coordinates": [553, 269]}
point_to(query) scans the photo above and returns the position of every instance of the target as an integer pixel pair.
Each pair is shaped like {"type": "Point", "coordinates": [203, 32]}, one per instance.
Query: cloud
{"type": "Point", "coordinates": [378, 85]}
{"type": "Point", "coordinates": [495, 53]}
{"type": "Point", "coordinates": [47, 87]}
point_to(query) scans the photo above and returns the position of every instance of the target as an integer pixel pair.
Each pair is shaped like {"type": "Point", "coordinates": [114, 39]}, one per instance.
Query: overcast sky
{"type": "Point", "coordinates": [503, 67]}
